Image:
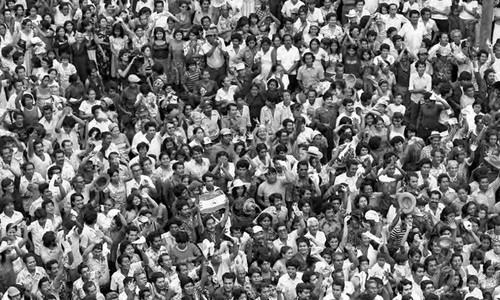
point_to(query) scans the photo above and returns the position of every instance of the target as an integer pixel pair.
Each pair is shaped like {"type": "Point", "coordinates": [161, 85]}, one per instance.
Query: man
{"type": "Point", "coordinates": [425, 179]}
{"type": "Point", "coordinates": [331, 29]}
{"type": "Point", "coordinates": [151, 137]}
{"type": "Point", "coordinates": [288, 57]}
{"type": "Point", "coordinates": [30, 273]}
{"type": "Point", "coordinates": [270, 115]}
{"type": "Point", "coordinates": [10, 166]}
{"type": "Point", "coordinates": [198, 165]}
{"type": "Point", "coordinates": [126, 107]}
{"type": "Point", "coordinates": [85, 276]}
{"type": "Point", "coordinates": [420, 83]}
{"type": "Point", "coordinates": [91, 231]}
{"type": "Point", "coordinates": [309, 76]}
{"type": "Point", "coordinates": [215, 51]}
{"type": "Point", "coordinates": [423, 56]}
{"type": "Point", "coordinates": [139, 181]}
{"type": "Point", "coordinates": [329, 223]}
{"type": "Point", "coordinates": [225, 144]}
{"type": "Point", "coordinates": [272, 185]}
{"type": "Point", "coordinates": [486, 192]}
{"type": "Point", "coordinates": [71, 155]}
{"type": "Point", "coordinates": [417, 275]}
{"type": "Point", "coordinates": [287, 283]}
{"type": "Point", "coordinates": [129, 288]}
{"type": "Point", "coordinates": [434, 208]}
{"type": "Point", "coordinates": [234, 121]}
{"type": "Point", "coordinates": [394, 19]}
{"type": "Point", "coordinates": [289, 6]}
{"type": "Point", "coordinates": [211, 120]}
{"type": "Point", "coordinates": [67, 171]}
{"type": "Point", "coordinates": [413, 32]}
{"type": "Point", "coordinates": [100, 120]}
{"type": "Point", "coordinates": [159, 288]}
{"type": "Point", "coordinates": [405, 287]}
{"type": "Point", "coordinates": [90, 289]}
{"type": "Point", "coordinates": [49, 122]}
{"type": "Point", "coordinates": [352, 175]}
{"type": "Point", "coordinates": [125, 270]}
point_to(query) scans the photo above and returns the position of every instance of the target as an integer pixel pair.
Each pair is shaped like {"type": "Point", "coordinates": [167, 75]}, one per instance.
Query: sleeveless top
{"type": "Point", "coordinates": [160, 51]}
{"type": "Point", "coordinates": [32, 116]}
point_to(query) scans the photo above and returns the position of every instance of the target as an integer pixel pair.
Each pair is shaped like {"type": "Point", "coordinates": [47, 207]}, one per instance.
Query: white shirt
{"type": "Point", "coordinates": [441, 5]}
{"type": "Point", "coordinates": [413, 36]}
{"type": "Point", "coordinates": [288, 57]}
{"type": "Point", "coordinates": [288, 6]}
{"type": "Point", "coordinates": [154, 145]}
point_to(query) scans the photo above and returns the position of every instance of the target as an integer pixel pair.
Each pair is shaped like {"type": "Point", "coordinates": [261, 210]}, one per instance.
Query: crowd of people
{"type": "Point", "coordinates": [249, 149]}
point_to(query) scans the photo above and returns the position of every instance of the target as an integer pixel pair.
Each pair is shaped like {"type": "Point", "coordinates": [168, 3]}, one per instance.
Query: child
{"type": "Point", "coordinates": [381, 268]}
{"type": "Point", "coordinates": [148, 99]}
{"type": "Point", "coordinates": [191, 76]}
{"type": "Point", "coordinates": [472, 288]}
{"type": "Point", "coordinates": [397, 106]}
{"type": "Point", "coordinates": [469, 113]}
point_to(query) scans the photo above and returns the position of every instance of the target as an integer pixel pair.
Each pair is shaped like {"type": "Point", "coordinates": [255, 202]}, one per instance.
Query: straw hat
{"type": "Point", "coordinates": [314, 151]}
{"type": "Point", "coordinates": [352, 14]}
{"type": "Point", "coordinates": [493, 160]}
{"type": "Point", "coordinates": [407, 202]}
{"type": "Point", "coordinates": [102, 182]}
{"type": "Point", "coordinates": [445, 242]}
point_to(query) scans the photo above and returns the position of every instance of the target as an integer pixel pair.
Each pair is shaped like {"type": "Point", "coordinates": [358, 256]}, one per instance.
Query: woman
{"type": "Point", "coordinates": [80, 56]}
{"type": "Point", "coordinates": [177, 59]}
{"type": "Point", "coordinates": [226, 93]}
{"type": "Point", "coordinates": [303, 255]}
{"type": "Point", "coordinates": [90, 40]}
{"type": "Point", "coordinates": [397, 128]}
{"type": "Point", "coordinates": [265, 58]}
{"type": "Point", "coordinates": [141, 35]}
{"type": "Point", "coordinates": [286, 253]}
{"type": "Point", "coordinates": [116, 190]}
{"type": "Point", "coordinates": [86, 105]}
{"type": "Point", "coordinates": [185, 251]}
{"type": "Point", "coordinates": [103, 54]}
{"type": "Point", "coordinates": [94, 81]}
{"type": "Point", "coordinates": [489, 278]}
{"type": "Point", "coordinates": [61, 42]}
{"type": "Point", "coordinates": [125, 66]}
{"type": "Point", "coordinates": [251, 50]}
{"type": "Point", "coordinates": [160, 47]}
{"type": "Point", "coordinates": [265, 220]}
{"type": "Point", "coordinates": [118, 42]}
{"type": "Point", "coordinates": [5, 36]}
{"type": "Point", "coordinates": [312, 34]}
{"type": "Point", "coordinates": [184, 17]}
{"type": "Point", "coordinates": [69, 28]}
{"type": "Point", "coordinates": [379, 129]}
{"type": "Point", "coordinates": [14, 246]}
{"type": "Point", "coordinates": [320, 55]}
{"type": "Point", "coordinates": [255, 102]}
{"type": "Point", "coordinates": [193, 46]}
{"type": "Point", "coordinates": [50, 249]}
{"type": "Point", "coordinates": [22, 40]}
{"type": "Point", "coordinates": [120, 140]}
{"type": "Point", "coordinates": [164, 170]}
{"type": "Point", "coordinates": [75, 93]}
{"type": "Point", "coordinates": [133, 205]}
{"type": "Point", "coordinates": [197, 137]}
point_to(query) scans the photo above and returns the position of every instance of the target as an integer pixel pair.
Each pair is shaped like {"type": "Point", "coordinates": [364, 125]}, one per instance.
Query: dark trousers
{"type": "Point", "coordinates": [442, 25]}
